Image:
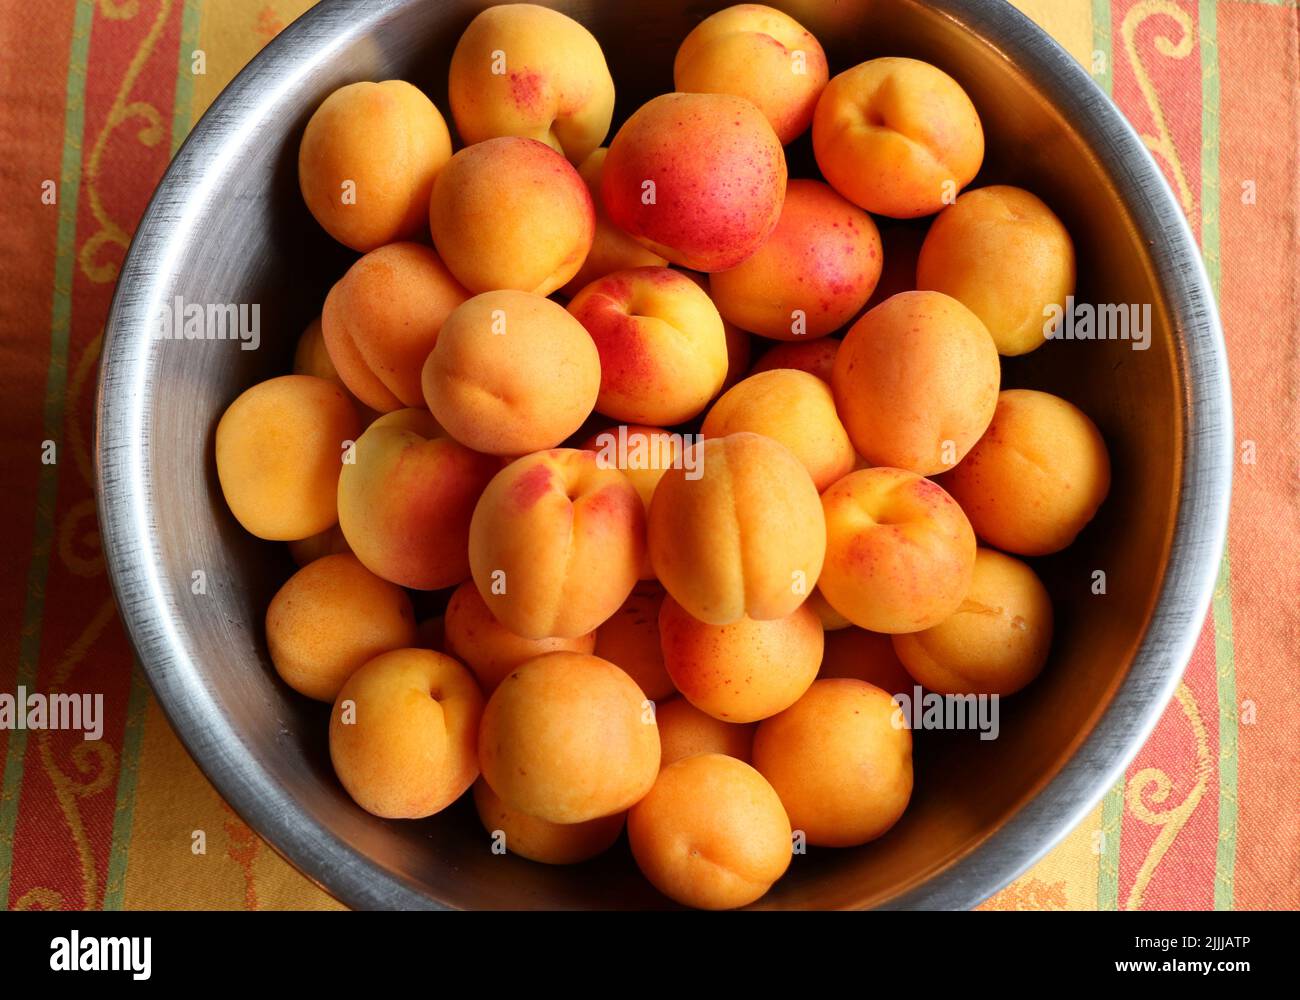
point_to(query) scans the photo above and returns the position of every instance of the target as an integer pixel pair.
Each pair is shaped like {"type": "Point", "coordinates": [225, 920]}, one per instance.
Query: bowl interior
{"type": "Point", "coordinates": [241, 234]}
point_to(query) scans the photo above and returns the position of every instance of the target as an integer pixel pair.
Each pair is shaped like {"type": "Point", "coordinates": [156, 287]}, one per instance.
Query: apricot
{"type": "Point", "coordinates": [525, 70]}
{"type": "Point", "coordinates": [760, 54]}
{"type": "Point", "coordinates": [611, 248]}
{"type": "Point", "coordinates": [1003, 254]}
{"type": "Point", "coordinates": [996, 642]}
{"type": "Point", "coordinates": [279, 447]}
{"type": "Point", "coordinates": [511, 213]}
{"type": "Point", "coordinates": [406, 498]}
{"type": "Point", "coordinates": [832, 620]}
{"type": "Point", "coordinates": [540, 840]}
{"type": "Point", "coordinates": [556, 544]}
{"type": "Point", "coordinates": [916, 382]}
{"type": "Point", "coordinates": [663, 352]}
{"type": "Point", "coordinates": [629, 639]}
{"type": "Point", "coordinates": [736, 531]}
{"type": "Point", "coordinates": [403, 733]}
{"type": "Point", "coordinates": [899, 551]}
{"type": "Point", "coordinates": [794, 408]}
{"type": "Point", "coordinates": [381, 320]}
{"type": "Point", "coordinates": [898, 137]}
{"type": "Point", "coordinates": [367, 162]}
{"type": "Point", "coordinates": [814, 273]}
{"type": "Point", "coordinates": [743, 671]}
{"type": "Point", "coordinates": [711, 833]}
{"type": "Point", "coordinates": [739, 348]}
{"type": "Point", "coordinates": [511, 373]}
{"type": "Point", "coordinates": [1036, 477]}
{"type": "Point", "coordinates": [569, 738]}
{"type": "Point", "coordinates": [685, 731]}
{"type": "Point", "coordinates": [490, 649]}
{"type": "Point", "coordinates": [867, 656]}
{"type": "Point", "coordinates": [643, 454]}
{"type": "Point", "coordinates": [816, 357]}
{"type": "Point", "coordinates": [310, 357]}
{"type": "Point", "coordinates": [331, 617]}
{"type": "Point", "coordinates": [329, 542]}
{"type": "Point", "coordinates": [842, 768]}
{"type": "Point", "coordinates": [739, 342]}
{"type": "Point", "coordinates": [697, 178]}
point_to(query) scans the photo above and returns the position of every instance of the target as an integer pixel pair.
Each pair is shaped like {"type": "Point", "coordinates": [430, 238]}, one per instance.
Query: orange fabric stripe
{"type": "Point", "coordinates": [1260, 129]}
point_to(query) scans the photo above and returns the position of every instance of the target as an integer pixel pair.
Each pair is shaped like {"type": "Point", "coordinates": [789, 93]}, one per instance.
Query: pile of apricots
{"type": "Point", "coordinates": [675, 589]}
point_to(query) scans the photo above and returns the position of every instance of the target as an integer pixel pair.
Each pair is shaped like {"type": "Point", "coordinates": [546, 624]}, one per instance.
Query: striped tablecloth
{"type": "Point", "coordinates": [97, 94]}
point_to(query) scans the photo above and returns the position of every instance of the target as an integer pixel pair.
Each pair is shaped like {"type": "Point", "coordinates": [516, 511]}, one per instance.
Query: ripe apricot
{"type": "Point", "coordinates": [556, 544]}
{"type": "Point", "coordinates": [685, 731]}
{"type": "Point", "coordinates": [745, 670]}
{"type": "Point", "coordinates": [367, 162]}
{"type": "Point", "coordinates": [403, 733]}
{"type": "Point", "coordinates": [1004, 254]}
{"type": "Point", "coordinates": [511, 373]}
{"type": "Point", "coordinates": [381, 320]}
{"type": "Point", "coordinates": [511, 213]}
{"type": "Point", "coordinates": [793, 408]}
{"type": "Point", "coordinates": [760, 54]}
{"type": "Point", "coordinates": [540, 840]}
{"type": "Point", "coordinates": [736, 531]}
{"type": "Point", "coordinates": [406, 498]}
{"type": "Point", "coordinates": [279, 448]}
{"type": "Point", "coordinates": [526, 70]}
{"type": "Point", "coordinates": [899, 551]}
{"type": "Point", "coordinates": [629, 639]}
{"type": "Point", "coordinates": [711, 833]}
{"type": "Point", "coordinates": [663, 352]}
{"type": "Point", "coordinates": [329, 618]}
{"type": "Point", "coordinates": [839, 761]}
{"type": "Point", "coordinates": [916, 382]}
{"type": "Point", "coordinates": [487, 647]}
{"type": "Point", "coordinates": [697, 178]}
{"type": "Point", "coordinates": [866, 656]}
{"type": "Point", "coordinates": [569, 738]}
{"type": "Point", "coordinates": [898, 137]}
{"type": "Point", "coordinates": [814, 273]}
{"type": "Point", "coordinates": [1036, 477]}
{"type": "Point", "coordinates": [996, 642]}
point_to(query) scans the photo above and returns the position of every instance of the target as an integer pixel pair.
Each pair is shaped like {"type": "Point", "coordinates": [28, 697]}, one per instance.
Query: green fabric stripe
{"type": "Point", "coordinates": [1225, 667]}
{"type": "Point", "coordinates": [128, 774]}
{"type": "Point", "coordinates": [183, 106]}
{"type": "Point", "coordinates": [1102, 31]}
{"type": "Point", "coordinates": [1112, 815]}
{"type": "Point", "coordinates": [1225, 859]}
{"type": "Point", "coordinates": [56, 378]}
{"type": "Point", "coordinates": [1112, 806]}
{"type": "Point", "coordinates": [133, 737]}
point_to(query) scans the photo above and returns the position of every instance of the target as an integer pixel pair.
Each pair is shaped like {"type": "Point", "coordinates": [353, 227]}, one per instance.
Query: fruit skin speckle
{"type": "Point", "coordinates": [820, 264]}
{"type": "Point", "coordinates": [526, 88]}
{"type": "Point", "coordinates": [717, 190]}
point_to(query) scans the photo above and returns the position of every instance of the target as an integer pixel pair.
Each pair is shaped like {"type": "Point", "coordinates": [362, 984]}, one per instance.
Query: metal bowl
{"type": "Point", "coordinates": [227, 225]}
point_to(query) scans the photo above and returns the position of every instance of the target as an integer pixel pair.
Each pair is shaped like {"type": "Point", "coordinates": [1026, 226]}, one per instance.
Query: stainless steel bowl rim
{"type": "Point", "coordinates": [122, 463]}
